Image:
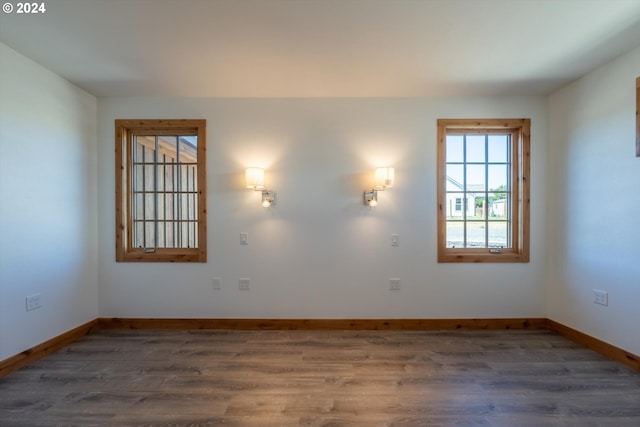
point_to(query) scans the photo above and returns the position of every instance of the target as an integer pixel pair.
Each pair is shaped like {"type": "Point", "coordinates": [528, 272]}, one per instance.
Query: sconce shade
{"type": "Point", "coordinates": [254, 178]}
{"type": "Point", "coordinates": [385, 177]}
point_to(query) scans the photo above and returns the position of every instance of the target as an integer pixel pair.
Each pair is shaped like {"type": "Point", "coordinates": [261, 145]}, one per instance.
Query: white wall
{"type": "Point", "coordinates": [48, 217]}
{"type": "Point", "coordinates": [594, 205]}
{"type": "Point", "coordinates": [320, 253]}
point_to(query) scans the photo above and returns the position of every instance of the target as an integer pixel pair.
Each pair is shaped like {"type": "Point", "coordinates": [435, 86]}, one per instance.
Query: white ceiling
{"type": "Point", "coordinates": [323, 48]}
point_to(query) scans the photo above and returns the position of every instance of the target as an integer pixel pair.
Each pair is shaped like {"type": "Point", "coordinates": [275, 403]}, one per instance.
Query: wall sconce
{"type": "Point", "coordinates": [254, 180]}
{"type": "Point", "coordinates": [384, 179]}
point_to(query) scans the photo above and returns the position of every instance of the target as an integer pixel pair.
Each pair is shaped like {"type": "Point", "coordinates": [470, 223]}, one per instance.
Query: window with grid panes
{"type": "Point", "coordinates": [160, 190]}
{"type": "Point", "coordinates": [483, 190]}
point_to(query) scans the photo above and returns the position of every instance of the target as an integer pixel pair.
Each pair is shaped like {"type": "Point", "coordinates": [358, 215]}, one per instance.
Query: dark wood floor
{"type": "Point", "coordinates": [321, 378]}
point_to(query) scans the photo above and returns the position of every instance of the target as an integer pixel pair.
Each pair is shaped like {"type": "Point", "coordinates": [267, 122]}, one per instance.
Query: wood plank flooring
{"type": "Point", "coordinates": [321, 378]}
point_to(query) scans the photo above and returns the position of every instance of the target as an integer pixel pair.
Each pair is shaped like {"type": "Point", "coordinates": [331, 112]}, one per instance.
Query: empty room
{"type": "Point", "coordinates": [320, 213]}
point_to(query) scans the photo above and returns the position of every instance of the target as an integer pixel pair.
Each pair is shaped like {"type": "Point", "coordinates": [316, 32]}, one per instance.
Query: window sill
{"type": "Point", "coordinates": [481, 256]}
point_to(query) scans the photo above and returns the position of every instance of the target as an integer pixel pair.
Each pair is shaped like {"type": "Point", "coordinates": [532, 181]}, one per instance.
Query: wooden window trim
{"type": "Point", "coordinates": [124, 130]}
{"type": "Point", "coordinates": [520, 129]}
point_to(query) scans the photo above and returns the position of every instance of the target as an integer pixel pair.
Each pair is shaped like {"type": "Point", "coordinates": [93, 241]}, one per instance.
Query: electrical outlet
{"type": "Point", "coordinates": [33, 302]}
{"type": "Point", "coordinates": [600, 297]}
{"type": "Point", "coordinates": [217, 283]}
{"type": "Point", "coordinates": [244, 284]}
{"type": "Point", "coordinates": [394, 284]}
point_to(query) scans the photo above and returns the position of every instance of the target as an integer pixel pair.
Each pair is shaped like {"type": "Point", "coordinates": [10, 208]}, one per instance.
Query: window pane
{"type": "Point", "coordinates": [188, 151]}
{"type": "Point", "coordinates": [138, 234]}
{"type": "Point", "coordinates": [161, 235]}
{"type": "Point", "coordinates": [169, 234]}
{"type": "Point", "coordinates": [480, 206]}
{"type": "Point", "coordinates": [185, 235]}
{"type": "Point", "coordinates": [476, 178]}
{"type": "Point", "coordinates": [169, 178]}
{"type": "Point", "coordinates": [498, 206]}
{"type": "Point", "coordinates": [455, 234]}
{"type": "Point", "coordinates": [145, 145]}
{"type": "Point", "coordinates": [138, 178]}
{"type": "Point", "coordinates": [194, 226]}
{"type": "Point", "coordinates": [455, 148]}
{"type": "Point", "coordinates": [169, 200]}
{"type": "Point", "coordinates": [162, 198]}
{"type": "Point", "coordinates": [498, 178]}
{"type": "Point", "coordinates": [475, 148]}
{"type": "Point", "coordinates": [499, 234]}
{"type": "Point", "coordinates": [168, 146]}
{"type": "Point", "coordinates": [149, 178]}
{"type": "Point", "coordinates": [194, 206]}
{"type": "Point", "coordinates": [498, 148]}
{"type": "Point", "coordinates": [193, 178]}
{"type": "Point", "coordinates": [455, 177]}
{"type": "Point", "coordinates": [185, 177]}
{"type": "Point", "coordinates": [454, 205]}
{"type": "Point", "coordinates": [185, 209]}
{"type": "Point", "coordinates": [148, 155]}
{"type": "Point", "coordinates": [476, 234]}
{"type": "Point", "coordinates": [149, 206]}
{"type": "Point", "coordinates": [161, 177]}
{"type": "Point", "coordinates": [138, 151]}
{"type": "Point", "coordinates": [138, 207]}
{"type": "Point", "coordinates": [150, 235]}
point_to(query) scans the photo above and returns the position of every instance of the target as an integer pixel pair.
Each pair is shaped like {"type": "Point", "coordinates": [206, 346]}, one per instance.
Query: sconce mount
{"type": "Point", "coordinates": [371, 198]}
{"type": "Point", "coordinates": [268, 198]}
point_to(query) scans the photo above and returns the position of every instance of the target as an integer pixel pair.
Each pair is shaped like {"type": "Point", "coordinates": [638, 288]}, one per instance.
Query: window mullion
{"type": "Point", "coordinates": [174, 204]}
{"type": "Point", "coordinates": [144, 196]}
{"type": "Point", "coordinates": [178, 189]}
{"type": "Point", "coordinates": [187, 214]}
{"type": "Point", "coordinates": [464, 191]}
{"type": "Point", "coordinates": [155, 191]}
{"type": "Point", "coordinates": [164, 200]}
{"type": "Point", "coordinates": [486, 191]}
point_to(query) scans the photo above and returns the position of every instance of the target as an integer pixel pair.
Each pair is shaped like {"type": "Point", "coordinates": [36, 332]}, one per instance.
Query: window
{"type": "Point", "coordinates": [160, 190]}
{"type": "Point", "coordinates": [483, 190]}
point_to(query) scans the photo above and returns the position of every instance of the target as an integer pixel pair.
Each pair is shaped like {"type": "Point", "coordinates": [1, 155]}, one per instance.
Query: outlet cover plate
{"type": "Point", "coordinates": [244, 284]}
{"type": "Point", "coordinates": [600, 297]}
{"type": "Point", "coordinates": [33, 302]}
